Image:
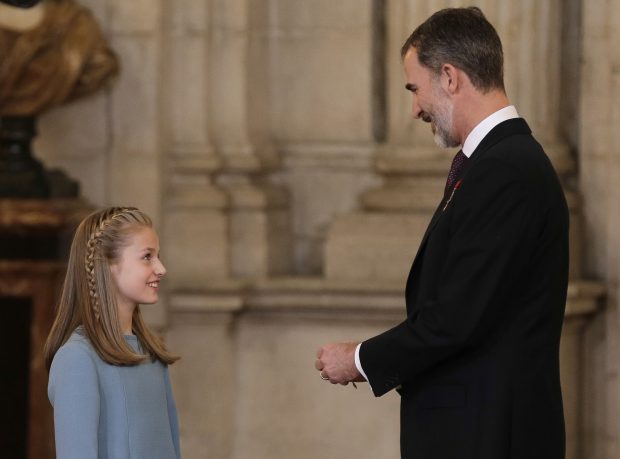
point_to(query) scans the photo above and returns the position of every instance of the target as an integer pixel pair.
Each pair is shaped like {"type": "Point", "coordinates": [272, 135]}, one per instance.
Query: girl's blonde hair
{"type": "Point", "coordinates": [89, 292]}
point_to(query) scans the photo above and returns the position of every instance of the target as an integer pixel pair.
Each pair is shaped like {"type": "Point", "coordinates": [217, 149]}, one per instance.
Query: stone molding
{"type": "Point", "coordinates": [328, 297]}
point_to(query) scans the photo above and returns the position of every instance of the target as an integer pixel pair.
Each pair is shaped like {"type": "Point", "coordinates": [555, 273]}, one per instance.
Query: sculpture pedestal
{"type": "Point", "coordinates": [34, 240]}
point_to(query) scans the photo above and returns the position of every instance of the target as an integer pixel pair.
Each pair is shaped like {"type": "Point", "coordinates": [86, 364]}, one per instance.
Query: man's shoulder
{"type": "Point", "coordinates": [522, 154]}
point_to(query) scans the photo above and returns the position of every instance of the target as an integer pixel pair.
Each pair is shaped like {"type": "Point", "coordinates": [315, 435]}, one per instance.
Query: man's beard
{"type": "Point", "coordinates": [442, 120]}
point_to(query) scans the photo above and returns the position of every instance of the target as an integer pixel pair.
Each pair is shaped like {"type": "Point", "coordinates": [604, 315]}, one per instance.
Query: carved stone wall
{"type": "Point", "coordinates": [599, 156]}
{"type": "Point", "coordinates": [271, 141]}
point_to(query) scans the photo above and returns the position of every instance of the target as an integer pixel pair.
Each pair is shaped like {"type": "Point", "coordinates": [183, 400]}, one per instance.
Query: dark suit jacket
{"type": "Point", "coordinates": [477, 358]}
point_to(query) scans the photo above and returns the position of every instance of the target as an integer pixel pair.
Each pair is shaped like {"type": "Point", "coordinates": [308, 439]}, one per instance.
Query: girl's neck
{"type": "Point", "coordinates": [125, 316]}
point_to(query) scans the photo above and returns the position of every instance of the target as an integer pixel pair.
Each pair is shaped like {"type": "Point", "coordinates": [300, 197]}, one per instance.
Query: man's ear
{"type": "Point", "coordinates": [449, 77]}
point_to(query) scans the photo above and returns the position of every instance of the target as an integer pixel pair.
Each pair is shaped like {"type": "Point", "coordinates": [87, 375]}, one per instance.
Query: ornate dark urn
{"type": "Point", "coordinates": [21, 174]}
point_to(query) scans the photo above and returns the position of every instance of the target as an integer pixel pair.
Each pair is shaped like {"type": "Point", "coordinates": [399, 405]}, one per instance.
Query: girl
{"type": "Point", "coordinates": [108, 381]}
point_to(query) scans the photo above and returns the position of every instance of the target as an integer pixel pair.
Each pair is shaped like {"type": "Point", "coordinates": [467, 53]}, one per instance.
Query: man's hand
{"type": "Point", "coordinates": [336, 362]}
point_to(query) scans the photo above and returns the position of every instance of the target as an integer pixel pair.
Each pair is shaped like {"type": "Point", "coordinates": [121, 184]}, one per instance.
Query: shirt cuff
{"type": "Point", "coordinates": [358, 364]}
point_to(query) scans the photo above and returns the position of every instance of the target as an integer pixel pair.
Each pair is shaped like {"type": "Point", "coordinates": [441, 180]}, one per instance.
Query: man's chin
{"type": "Point", "coordinates": [444, 141]}
{"type": "Point", "coordinates": [440, 141]}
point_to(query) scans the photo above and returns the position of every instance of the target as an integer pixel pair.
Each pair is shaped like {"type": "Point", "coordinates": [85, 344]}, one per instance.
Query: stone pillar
{"type": "Point", "coordinates": [321, 113]}
{"type": "Point", "coordinates": [599, 161]}
{"type": "Point", "coordinates": [583, 301]}
{"type": "Point", "coordinates": [135, 140]}
{"type": "Point", "coordinates": [239, 108]}
{"type": "Point", "coordinates": [196, 239]}
{"type": "Point", "coordinates": [204, 380]}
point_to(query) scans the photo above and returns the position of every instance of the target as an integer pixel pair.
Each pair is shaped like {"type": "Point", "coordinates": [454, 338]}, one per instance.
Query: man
{"type": "Point", "coordinates": [476, 361]}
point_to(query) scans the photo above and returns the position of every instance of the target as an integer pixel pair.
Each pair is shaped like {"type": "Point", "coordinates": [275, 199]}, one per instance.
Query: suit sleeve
{"type": "Point", "coordinates": [490, 240]}
{"type": "Point", "coordinates": [73, 390]}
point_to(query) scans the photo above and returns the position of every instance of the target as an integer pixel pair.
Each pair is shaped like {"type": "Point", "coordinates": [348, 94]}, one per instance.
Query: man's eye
{"type": "Point", "coordinates": [147, 256]}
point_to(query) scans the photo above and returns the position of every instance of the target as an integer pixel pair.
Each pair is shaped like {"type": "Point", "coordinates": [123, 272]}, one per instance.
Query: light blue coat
{"type": "Point", "coordinates": [103, 411]}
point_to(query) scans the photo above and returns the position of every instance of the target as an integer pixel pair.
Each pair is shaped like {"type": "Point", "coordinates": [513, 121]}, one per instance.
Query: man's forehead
{"type": "Point", "coordinates": [411, 61]}
{"type": "Point", "coordinates": [415, 73]}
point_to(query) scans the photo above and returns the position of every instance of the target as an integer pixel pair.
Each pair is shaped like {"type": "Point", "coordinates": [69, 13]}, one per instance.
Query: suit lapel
{"type": "Point", "coordinates": [513, 126]}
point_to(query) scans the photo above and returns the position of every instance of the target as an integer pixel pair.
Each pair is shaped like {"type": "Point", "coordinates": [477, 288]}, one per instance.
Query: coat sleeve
{"type": "Point", "coordinates": [490, 242]}
{"type": "Point", "coordinates": [73, 390]}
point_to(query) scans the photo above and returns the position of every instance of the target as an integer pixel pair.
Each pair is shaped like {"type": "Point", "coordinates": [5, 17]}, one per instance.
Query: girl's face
{"type": "Point", "coordinates": [138, 271]}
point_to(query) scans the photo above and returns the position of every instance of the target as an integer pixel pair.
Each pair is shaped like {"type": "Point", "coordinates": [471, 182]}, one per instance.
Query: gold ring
{"type": "Point", "coordinates": [323, 377]}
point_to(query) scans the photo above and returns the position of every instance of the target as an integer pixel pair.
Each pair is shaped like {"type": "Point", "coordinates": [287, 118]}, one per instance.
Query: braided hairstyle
{"type": "Point", "coordinates": [89, 292]}
{"type": "Point", "coordinates": [102, 233]}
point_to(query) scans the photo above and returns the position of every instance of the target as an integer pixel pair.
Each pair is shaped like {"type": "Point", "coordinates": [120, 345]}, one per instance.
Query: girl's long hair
{"type": "Point", "coordinates": [89, 292]}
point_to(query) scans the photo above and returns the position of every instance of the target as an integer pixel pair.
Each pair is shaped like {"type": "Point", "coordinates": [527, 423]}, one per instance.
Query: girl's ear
{"type": "Point", "coordinates": [115, 269]}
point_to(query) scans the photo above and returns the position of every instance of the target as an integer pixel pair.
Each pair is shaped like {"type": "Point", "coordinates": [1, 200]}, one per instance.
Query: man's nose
{"type": "Point", "coordinates": [416, 110]}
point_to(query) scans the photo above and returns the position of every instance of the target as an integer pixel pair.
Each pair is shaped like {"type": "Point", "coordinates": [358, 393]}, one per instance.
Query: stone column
{"type": "Point", "coordinates": [583, 301]}
{"type": "Point", "coordinates": [196, 228]}
{"type": "Point", "coordinates": [599, 156]}
{"type": "Point", "coordinates": [204, 380]}
{"type": "Point", "coordinates": [135, 141]}
{"type": "Point", "coordinates": [239, 118]}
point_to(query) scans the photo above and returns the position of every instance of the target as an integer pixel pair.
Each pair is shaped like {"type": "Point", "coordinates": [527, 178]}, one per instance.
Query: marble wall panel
{"type": "Point", "coordinates": [298, 14]}
{"type": "Point", "coordinates": [385, 250]}
{"type": "Point", "coordinates": [136, 181]}
{"type": "Point", "coordinates": [321, 92]}
{"type": "Point", "coordinates": [230, 15]}
{"type": "Point", "coordinates": [595, 182]}
{"type": "Point", "coordinates": [134, 17]}
{"type": "Point", "coordinates": [230, 84]}
{"type": "Point", "coordinates": [203, 384]}
{"type": "Point", "coordinates": [75, 139]}
{"type": "Point", "coordinates": [594, 403]}
{"type": "Point", "coordinates": [78, 129]}
{"type": "Point", "coordinates": [190, 15]}
{"type": "Point", "coordinates": [187, 118]}
{"type": "Point", "coordinates": [284, 409]}
{"type": "Point", "coordinates": [600, 159]}
{"type": "Point", "coordinates": [323, 184]}
{"type": "Point", "coordinates": [196, 247]}
{"type": "Point", "coordinates": [135, 97]}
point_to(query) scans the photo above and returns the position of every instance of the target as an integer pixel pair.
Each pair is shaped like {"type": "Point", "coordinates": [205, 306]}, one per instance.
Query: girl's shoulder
{"type": "Point", "coordinates": [76, 352]}
{"type": "Point", "coordinates": [74, 369]}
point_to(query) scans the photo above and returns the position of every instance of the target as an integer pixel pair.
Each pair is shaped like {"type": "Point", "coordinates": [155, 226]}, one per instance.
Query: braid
{"type": "Point", "coordinates": [90, 272]}
{"type": "Point", "coordinates": [91, 249]}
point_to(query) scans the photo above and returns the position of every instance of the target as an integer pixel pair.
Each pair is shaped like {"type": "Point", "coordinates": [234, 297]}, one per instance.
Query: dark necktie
{"type": "Point", "coordinates": [457, 166]}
